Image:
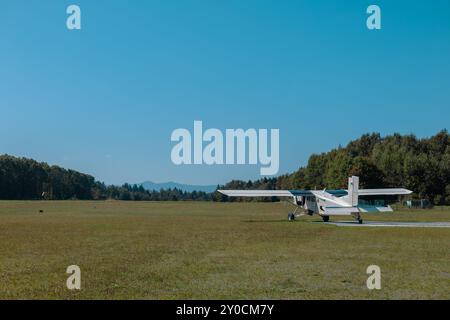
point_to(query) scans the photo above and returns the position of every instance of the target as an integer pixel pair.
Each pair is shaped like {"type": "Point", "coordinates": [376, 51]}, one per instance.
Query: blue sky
{"type": "Point", "coordinates": [105, 99]}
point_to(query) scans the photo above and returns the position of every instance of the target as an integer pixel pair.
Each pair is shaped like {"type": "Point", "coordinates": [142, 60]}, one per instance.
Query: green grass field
{"type": "Point", "coordinates": [190, 250]}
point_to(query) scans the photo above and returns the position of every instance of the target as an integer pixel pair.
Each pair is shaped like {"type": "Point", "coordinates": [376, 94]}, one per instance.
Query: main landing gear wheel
{"type": "Point", "coordinates": [291, 216]}
{"type": "Point", "coordinates": [326, 218]}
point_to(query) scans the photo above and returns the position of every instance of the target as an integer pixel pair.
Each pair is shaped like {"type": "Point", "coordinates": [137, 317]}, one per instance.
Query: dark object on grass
{"type": "Point", "coordinates": [41, 211]}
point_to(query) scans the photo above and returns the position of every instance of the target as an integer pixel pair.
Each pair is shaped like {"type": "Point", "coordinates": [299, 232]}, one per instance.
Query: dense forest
{"type": "Point", "coordinates": [27, 179]}
{"type": "Point", "coordinates": [421, 165]}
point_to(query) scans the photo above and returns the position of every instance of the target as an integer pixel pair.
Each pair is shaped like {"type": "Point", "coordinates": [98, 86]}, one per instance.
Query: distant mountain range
{"type": "Point", "coordinates": [149, 185]}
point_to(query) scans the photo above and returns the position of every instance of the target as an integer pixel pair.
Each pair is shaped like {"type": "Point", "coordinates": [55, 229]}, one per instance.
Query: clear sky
{"type": "Point", "coordinates": [105, 99]}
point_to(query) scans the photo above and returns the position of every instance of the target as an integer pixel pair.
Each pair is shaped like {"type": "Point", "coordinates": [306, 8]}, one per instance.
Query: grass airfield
{"type": "Point", "coordinates": [202, 250]}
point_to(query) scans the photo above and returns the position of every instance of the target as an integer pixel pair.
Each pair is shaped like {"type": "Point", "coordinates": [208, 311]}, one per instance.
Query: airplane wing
{"type": "Point", "coordinates": [317, 193]}
{"type": "Point", "coordinates": [272, 193]}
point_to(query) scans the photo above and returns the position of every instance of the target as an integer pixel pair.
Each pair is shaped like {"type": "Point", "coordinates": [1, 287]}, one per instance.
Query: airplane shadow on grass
{"type": "Point", "coordinates": [277, 221]}
{"type": "Point", "coordinates": [261, 221]}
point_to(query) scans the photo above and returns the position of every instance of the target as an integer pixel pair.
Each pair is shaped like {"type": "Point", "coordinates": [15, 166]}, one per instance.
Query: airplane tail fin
{"type": "Point", "coordinates": [353, 187]}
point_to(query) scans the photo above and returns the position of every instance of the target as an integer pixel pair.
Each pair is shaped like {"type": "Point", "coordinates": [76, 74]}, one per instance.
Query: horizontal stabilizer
{"type": "Point", "coordinates": [384, 192]}
{"type": "Point", "coordinates": [367, 208]}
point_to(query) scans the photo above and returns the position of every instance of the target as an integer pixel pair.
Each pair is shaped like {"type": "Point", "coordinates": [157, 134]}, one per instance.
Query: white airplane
{"type": "Point", "coordinates": [326, 203]}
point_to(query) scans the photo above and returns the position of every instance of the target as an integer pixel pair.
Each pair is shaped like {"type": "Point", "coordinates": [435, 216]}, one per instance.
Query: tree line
{"type": "Point", "coordinates": [27, 179]}
{"type": "Point", "coordinates": [421, 165]}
